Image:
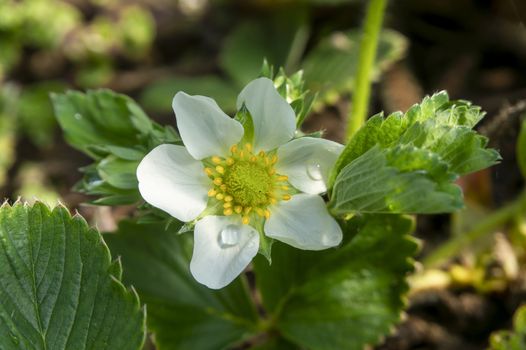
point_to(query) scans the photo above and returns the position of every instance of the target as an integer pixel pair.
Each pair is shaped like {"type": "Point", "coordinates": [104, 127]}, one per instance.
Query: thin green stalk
{"type": "Point", "coordinates": [368, 47]}
{"type": "Point", "coordinates": [488, 225]}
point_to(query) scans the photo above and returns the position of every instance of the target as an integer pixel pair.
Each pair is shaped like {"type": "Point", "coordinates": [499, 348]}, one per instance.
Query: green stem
{"type": "Point", "coordinates": [368, 46]}
{"type": "Point", "coordinates": [488, 225]}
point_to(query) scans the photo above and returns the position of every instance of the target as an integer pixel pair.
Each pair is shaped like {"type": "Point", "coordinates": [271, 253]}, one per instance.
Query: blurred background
{"type": "Point", "coordinates": [150, 49]}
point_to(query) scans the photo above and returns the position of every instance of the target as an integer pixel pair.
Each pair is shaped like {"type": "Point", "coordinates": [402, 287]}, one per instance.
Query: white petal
{"type": "Point", "coordinates": [205, 129]}
{"type": "Point", "coordinates": [274, 119]}
{"type": "Point", "coordinates": [304, 222]}
{"type": "Point", "coordinates": [171, 180]}
{"type": "Point", "coordinates": [223, 247]}
{"type": "Point", "coordinates": [307, 162]}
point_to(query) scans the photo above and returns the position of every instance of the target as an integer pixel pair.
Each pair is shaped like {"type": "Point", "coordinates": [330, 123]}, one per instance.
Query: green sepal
{"type": "Point", "coordinates": [265, 243]}
{"type": "Point", "coordinates": [243, 116]}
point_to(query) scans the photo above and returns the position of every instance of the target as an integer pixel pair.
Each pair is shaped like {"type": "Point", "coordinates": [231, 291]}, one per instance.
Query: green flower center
{"type": "Point", "coordinates": [246, 183]}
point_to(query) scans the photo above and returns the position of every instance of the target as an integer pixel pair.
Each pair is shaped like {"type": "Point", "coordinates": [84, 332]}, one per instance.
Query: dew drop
{"type": "Point", "coordinates": [229, 236]}
{"type": "Point", "coordinates": [78, 116]}
{"type": "Point", "coordinates": [314, 170]}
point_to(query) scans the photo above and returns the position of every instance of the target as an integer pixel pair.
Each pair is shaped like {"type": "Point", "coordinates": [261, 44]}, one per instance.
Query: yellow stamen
{"type": "Point", "coordinates": [229, 175]}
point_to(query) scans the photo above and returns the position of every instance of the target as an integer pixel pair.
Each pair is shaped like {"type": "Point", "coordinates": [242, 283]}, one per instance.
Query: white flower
{"type": "Point", "coordinates": [264, 181]}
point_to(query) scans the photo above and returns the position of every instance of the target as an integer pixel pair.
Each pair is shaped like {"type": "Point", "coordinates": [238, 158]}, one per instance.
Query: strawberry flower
{"type": "Point", "coordinates": [237, 183]}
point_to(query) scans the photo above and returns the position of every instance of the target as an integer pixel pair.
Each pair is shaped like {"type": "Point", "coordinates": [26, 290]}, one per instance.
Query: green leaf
{"type": "Point", "coordinates": [59, 287]}
{"type": "Point", "coordinates": [404, 179]}
{"type": "Point", "coordinates": [521, 149]}
{"type": "Point", "coordinates": [114, 131]}
{"type": "Point", "coordinates": [158, 96]}
{"type": "Point", "coordinates": [435, 132]}
{"type": "Point", "coordinates": [100, 117]}
{"type": "Point", "coordinates": [514, 340]}
{"type": "Point", "coordinates": [342, 298]}
{"type": "Point", "coordinates": [119, 172]}
{"type": "Point", "coordinates": [182, 314]}
{"type": "Point", "coordinates": [331, 66]}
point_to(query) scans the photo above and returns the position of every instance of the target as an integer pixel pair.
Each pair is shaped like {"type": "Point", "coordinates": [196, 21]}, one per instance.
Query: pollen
{"type": "Point", "coordinates": [246, 183]}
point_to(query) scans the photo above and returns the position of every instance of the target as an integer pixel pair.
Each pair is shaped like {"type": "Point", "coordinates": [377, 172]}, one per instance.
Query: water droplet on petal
{"type": "Point", "coordinates": [314, 170]}
{"type": "Point", "coordinates": [229, 236]}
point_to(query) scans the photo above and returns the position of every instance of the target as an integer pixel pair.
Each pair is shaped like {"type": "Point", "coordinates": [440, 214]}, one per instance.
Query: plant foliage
{"type": "Point", "coordinates": [59, 288]}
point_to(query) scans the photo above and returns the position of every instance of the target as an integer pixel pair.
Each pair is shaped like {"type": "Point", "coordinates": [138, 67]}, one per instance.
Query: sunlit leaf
{"type": "Point", "coordinates": [342, 298]}
{"type": "Point", "coordinates": [59, 288]}
{"type": "Point", "coordinates": [390, 165]}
